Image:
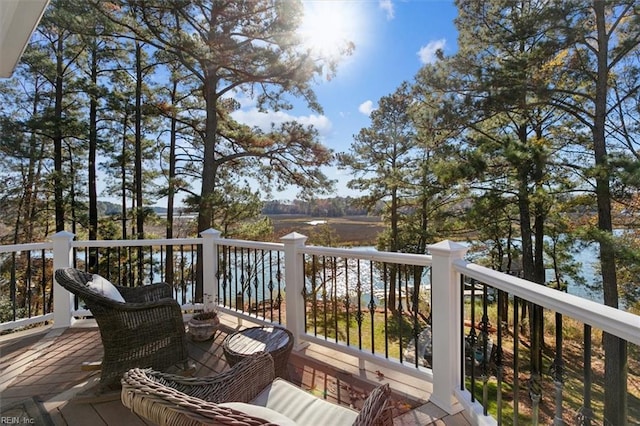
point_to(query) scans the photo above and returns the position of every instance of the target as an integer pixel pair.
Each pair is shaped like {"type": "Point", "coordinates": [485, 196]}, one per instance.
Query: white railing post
{"type": "Point", "coordinates": [446, 324]}
{"type": "Point", "coordinates": [62, 299]}
{"type": "Point", "coordinates": [294, 282]}
{"type": "Point", "coordinates": [210, 239]}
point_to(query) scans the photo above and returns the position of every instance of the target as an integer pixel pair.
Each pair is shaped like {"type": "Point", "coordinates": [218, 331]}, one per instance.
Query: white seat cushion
{"type": "Point", "coordinates": [260, 412]}
{"type": "Point", "coordinates": [104, 287]}
{"type": "Point", "coordinates": [302, 407]}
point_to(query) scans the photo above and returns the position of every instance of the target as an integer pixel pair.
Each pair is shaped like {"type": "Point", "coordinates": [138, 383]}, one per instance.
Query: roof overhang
{"type": "Point", "coordinates": [18, 20]}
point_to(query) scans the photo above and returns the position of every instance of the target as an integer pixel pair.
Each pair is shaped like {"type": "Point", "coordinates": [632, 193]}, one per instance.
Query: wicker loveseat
{"type": "Point", "coordinates": [144, 329]}
{"type": "Point", "coordinates": [247, 394]}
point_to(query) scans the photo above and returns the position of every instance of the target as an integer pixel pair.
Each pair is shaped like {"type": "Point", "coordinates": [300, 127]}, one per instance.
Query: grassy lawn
{"type": "Point", "coordinates": [367, 334]}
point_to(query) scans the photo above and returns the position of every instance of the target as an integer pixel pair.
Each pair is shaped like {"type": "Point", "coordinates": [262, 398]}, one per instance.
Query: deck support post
{"type": "Point", "coordinates": [62, 299]}
{"type": "Point", "coordinates": [210, 239]}
{"type": "Point", "coordinates": [446, 324]}
{"type": "Point", "coordinates": [294, 285]}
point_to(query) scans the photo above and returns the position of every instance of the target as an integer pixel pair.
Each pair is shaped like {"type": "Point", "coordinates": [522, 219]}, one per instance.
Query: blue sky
{"type": "Point", "coordinates": [393, 39]}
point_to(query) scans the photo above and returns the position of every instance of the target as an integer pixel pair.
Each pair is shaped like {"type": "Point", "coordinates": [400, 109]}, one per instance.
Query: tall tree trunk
{"type": "Point", "coordinates": [26, 207]}
{"type": "Point", "coordinates": [93, 142]}
{"type": "Point", "coordinates": [139, 207]}
{"type": "Point", "coordinates": [58, 181]}
{"type": "Point", "coordinates": [171, 184]}
{"type": "Point", "coordinates": [615, 364]}
{"type": "Point", "coordinates": [72, 191]}
{"type": "Point", "coordinates": [123, 175]}
{"type": "Point", "coordinates": [138, 148]}
{"type": "Point", "coordinates": [206, 210]}
{"type": "Point", "coordinates": [394, 281]}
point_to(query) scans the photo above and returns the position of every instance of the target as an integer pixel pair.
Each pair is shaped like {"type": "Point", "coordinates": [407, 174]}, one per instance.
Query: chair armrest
{"type": "Point", "coordinates": [242, 383]}
{"type": "Point", "coordinates": [158, 402]}
{"type": "Point", "coordinates": [145, 293]}
{"type": "Point", "coordinates": [143, 306]}
{"type": "Point", "coordinates": [376, 409]}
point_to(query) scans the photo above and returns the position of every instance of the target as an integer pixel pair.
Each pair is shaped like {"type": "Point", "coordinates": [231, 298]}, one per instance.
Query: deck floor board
{"type": "Point", "coordinates": [50, 373]}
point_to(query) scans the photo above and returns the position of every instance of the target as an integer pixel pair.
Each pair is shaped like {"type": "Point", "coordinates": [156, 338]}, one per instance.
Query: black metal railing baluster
{"type": "Point", "coordinates": [156, 262]}
{"type": "Point", "coordinates": [473, 341]}
{"type": "Point", "coordinates": [347, 301]}
{"type": "Point", "coordinates": [535, 381]}
{"type": "Point", "coordinates": [236, 278]}
{"type": "Point", "coordinates": [463, 339]}
{"type": "Point", "coordinates": [151, 265]}
{"type": "Point", "coordinates": [279, 281]}
{"type": "Point", "coordinates": [118, 263]}
{"type": "Point", "coordinates": [256, 283]}
{"type": "Point", "coordinates": [585, 413]}
{"type": "Point", "coordinates": [222, 275]}
{"type": "Point", "coordinates": [305, 296]}
{"type": "Point", "coordinates": [324, 296]}
{"type": "Point", "coordinates": [400, 309]}
{"type": "Point", "coordinates": [130, 274]}
{"type": "Point", "coordinates": [107, 267]}
{"type": "Point", "coordinates": [27, 284]}
{"type": "Point", "coordinates": [163, 259]}
{"type": "Point", "coordinates": [372, 307]}
{"type": "Point", "coordinates": [557, 371]}
{"type": "Point", "coordinates": [229, 278]}
{"type": "Point", "coordinates": [183, 284]}
{"type": "Point", "coordinates": [485, 348]}
{"type": "Point", "coordinates": [43, 282]}
{"type": "Point", "coordinates": [192, 271]}
{"type": "Point", "coordinates": [140, 265]}
{"type": "Point", "coordinates": [229, 271]}
{"type": "Point", "coordinates": [270, 286]}
{"type": "Point", "coordinates": [516, 359]}
{"type": "Point", "coordinates": [13, 290]}
{"type": "Point", "coordinates": [314, 289]}
{"type": "Point", "coordinates": [250, 271]}
{"type": "Point", "coordinates": [264, 285]}
{"type": "Point", "coordinates": [243, 279]}
{"type": "Point", "coordinates": [415, 307]}
{"type": "Point", "coordinates": [385, 281]}
{"type": "Point", "coordinates": [262, 280]}
{"type": "Point", "coordinates": [334, 295]}
{"type": "Point", "coordinates": [499, 354]}
{"type": "Point", "coordinates": [359, 313]}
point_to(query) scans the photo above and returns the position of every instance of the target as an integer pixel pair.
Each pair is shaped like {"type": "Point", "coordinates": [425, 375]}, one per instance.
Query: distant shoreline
{"type": "Point", "coordinates": [344, 230]}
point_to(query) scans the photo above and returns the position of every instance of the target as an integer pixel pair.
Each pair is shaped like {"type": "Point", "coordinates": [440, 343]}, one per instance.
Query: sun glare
{"type": "Point", "coordinates": [330, 27]}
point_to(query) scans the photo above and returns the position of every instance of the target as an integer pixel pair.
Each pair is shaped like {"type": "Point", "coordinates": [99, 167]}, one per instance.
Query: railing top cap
{"type": "Point", "coordinates": [63, 234]}
{"type": "Point", "coordinates": [294, 236]}
{"type": "Point", "coordinates": [210, 231]}
{"type": "Point", "coordinates": [447, 246]}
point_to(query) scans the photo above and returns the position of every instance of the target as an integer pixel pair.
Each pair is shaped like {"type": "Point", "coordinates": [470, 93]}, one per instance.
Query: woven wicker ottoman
{"type": "Point", "coordinates": [276, 341]}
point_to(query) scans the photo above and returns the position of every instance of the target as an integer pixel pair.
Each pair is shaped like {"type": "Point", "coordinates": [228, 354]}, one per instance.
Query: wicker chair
{"type": "Point", "coordinates": [223, 399]}
{"type": "Point", "coordinates": [145, 331]}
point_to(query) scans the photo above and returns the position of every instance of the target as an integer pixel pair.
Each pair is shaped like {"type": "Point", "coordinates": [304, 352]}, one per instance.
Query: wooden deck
{"type": "Point", "coordinates": [42, 381]}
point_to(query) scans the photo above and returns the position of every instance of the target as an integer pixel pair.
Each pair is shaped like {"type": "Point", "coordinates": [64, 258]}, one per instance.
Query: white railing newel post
{"type": "Point", "coordinates": [210, 239]}
{"type": "Point", "coordinates": [62, 299]}
{"type": "Point", "coordinates": [294, 283]}
{"type": "Point", "coordinates": [446, 324]}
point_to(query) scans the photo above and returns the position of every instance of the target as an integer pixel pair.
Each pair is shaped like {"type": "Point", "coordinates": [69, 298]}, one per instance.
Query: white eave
{"type": "Point", "coordinates": [18, 20]}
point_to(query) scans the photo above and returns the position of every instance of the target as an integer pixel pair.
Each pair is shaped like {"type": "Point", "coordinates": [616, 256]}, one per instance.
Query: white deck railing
{"type": "Point", "coordinates": [447, 267]}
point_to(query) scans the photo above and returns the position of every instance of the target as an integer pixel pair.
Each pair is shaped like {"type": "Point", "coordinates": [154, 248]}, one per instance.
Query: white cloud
{"type": "Point", "coordinates": [243, 99]}
{"type": "Point", "coordinates": [366, 107]}
{"type": "Point", "coordinates": [254, 117]}
{"type": "Point", "coordinates": [427, 54]}
{"type": "Point", "coordinates": [387, 6]}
